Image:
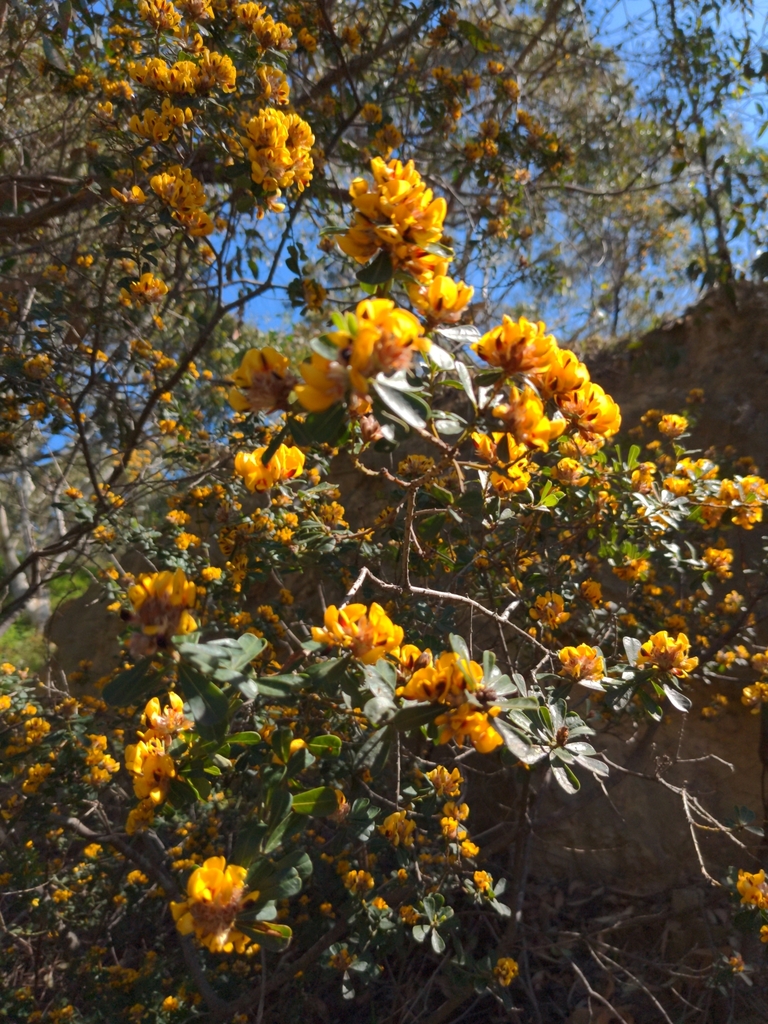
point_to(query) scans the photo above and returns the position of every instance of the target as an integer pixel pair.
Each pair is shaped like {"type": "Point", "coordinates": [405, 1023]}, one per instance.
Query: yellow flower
{"type": "Point", "coordinates": [663, 653]}
{"type": "Point", "coordinates": [451, 829]}
{"type": "Point", "coordinates": [36, 775]}
{"type": "Point", "coordinates": [591, 411]}
{"type": "Point", "coordinates": [286, 463]}
{"type": "Point", "coordinates": [454, 810]}
{"type": "Point", "coordinates": [506, 970]}
{"type": "Point", "coordinates": [368, 633]}
{"type": "Point", "coordinates": [326, 382]}
{"type": "Point", "coordinates": [140, 817]}
{"type": "Point", "coordinates": [517, 347]}
{"type": "Point", "coordinates": [371, 113]}
{"type": "Point", "coordinates": [444, 681]}
{"type": "Point", "coordinates": [386, 139]}
{"type": "Point", "coordinates": [161, 14]}
{"type": "Point", "coordinates": [409, 915]}
{"type": "Point", "coordinates": [470, 722]}
{"type": "Point", "coordinates": [146, 290]}
{"type": "Point", "coordinates": [214, 70]}
{"type": "Point", "coordinates": [719, 561]}
{"type": "Point", "coordinates": [358, 881]}
{"type": "Point", "coordinates": [342, 960]}
{"type": "Point", "coordinates": [332, 514]}
{"type": "Point", "coordinates": [152, 770]}
{"type": "Point", "coordinates": [271, 34]}
{"type": "Point", "coordinates": [399, 214]}
{"type": "Point", "coordinates": [278, 146]}
{"type": "Point", "coordinates": [582, 663]}
{"type": "Point", "coordinates": [565, 372]}
{"type": "Point", "coordinates": [160, 601]}
{"type": "Point", "coordinates": [441, 300]}
{"type": "Point", "coordinates": [306, 40]}
{"type": "Point", "coordinates": [633, 569]}
{"type": "Point", "coordinates": [445, 783]}
{"type": "Point", "coordinates": [180, 189]}
{"type": "Point", "coordinates": [167, 722]}
{"type": "Point", "coordinates": [570, 472]}
{"type": "Point", "coordinates": [215, 896]}
{"type": "Point", "coordinates": [673, 426]}
{"type": "Point", "coordinates": [483, 881]}
{"type": "Point", "coordinates": [753, 889]}
{"type": "Point", "coordinates": [211, 572]}
{"type": "Point", "coordinates": [92, 851]}
{"type": "Point", "coordinates": [549, 609]}
{"type": "Point", "coordinates": [398, 829]}
{"type": "Point", "coordinates": [755, 695]}
{"type": "Point", "coordinates": [380, 338]}
{"type": "Point", "coordinates": [523, 416]}
{"type": "Point", "coordinates": [38, 367]}
{"type": "Point", "coordinates": [160, 127]}
{"type": "Point", "coordinates": [262, 382]}
{"type": "Point", "coordinates": [468, 848]}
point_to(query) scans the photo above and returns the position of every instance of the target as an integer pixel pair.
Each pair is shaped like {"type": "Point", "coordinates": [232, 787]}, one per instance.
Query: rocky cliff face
{"type": "Point", "coordinates": [720, 346]}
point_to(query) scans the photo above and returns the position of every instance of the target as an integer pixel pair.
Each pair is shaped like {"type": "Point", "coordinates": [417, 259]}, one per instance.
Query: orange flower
{"type": "Point", "coordinates": [667, 655]}
{"type": "Point", "coordinates": [368, 632]}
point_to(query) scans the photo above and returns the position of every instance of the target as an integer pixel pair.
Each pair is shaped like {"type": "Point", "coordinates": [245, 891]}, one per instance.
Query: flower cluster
{"type": "Point", "coordinates": [286, 463]}
{"type": "Point", "coordinates": [278, 146]}
{"type": "Point", "coordinates": [161, 604]}
{"type": "Point", "coordinates": [663, 654]}
{"type": "Point", "coordinates": [377, 338]}
{"type": "Point", "coordinates": [191, 77]}
{"type": "Point", "coordinates": [185, 195]}
{"type": "Point", "coordinates": [262, 382]}
{"type": "Point", "coordinates": [368, 633]}
{"type": "Point", "coordinates": [216, 894]}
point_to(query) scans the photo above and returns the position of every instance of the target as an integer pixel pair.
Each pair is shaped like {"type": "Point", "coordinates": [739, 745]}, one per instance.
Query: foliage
{"type": "Point", "coordinates": [373, 580]}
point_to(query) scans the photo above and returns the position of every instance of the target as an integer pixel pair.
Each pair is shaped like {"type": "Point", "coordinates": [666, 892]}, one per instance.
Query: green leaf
{"type": "Point", "coordinates": [405, 405]}
{"type": "Point", "coordinates": [246, 739]}
{"type": "Point", "coordinates": [267, 934]}
{"type": "Point", "coordinates": [476, 37]}
{"type": "Point", "coordinates": [208, 704]}
{"type": "Point", "coordinates": [676, 699]}
{"type": "Point", "coordinates": [319, 802]}
{"type": "Point", "coordinates": [632, 648]}
{"type": "Point", "coordinates": [290, 824]}
{"type": "Point", "coordinates": [248, 843]}
{"type": "Point", "coordinates": [250, 647]}
{"type": "Point", "coordinates": [466, 381]}
{"type": "Point", "coordinates": [181, 793]}
{"type": "Point", "coordinates": [278, 687]}
{"type": "Point", "coordinates": [325, 746]}
{"type": "Point", "coordinates": [442, 360]}
{"type": "Point", "coordinates": [320, 427]}
{"type": "Point", "coordinates": [415, 717]}
{"type": "Point", "coordinates": [378, 271]}
{"type": "Point", "coordinates": [651, 706]}
{"type": "Point", "coordinates": [565, 778]}
{"type": "Point", "coordinates": [299, 761]}
{"type": "Point", "coordinates": [128, 686]}
{"type": "Point", "coordinates": [53, 55]}
{"type": "Point", "coordinates": [374, 751]}
{"type": "Point", "coordinates": [760, 265]}
{"type": "Point", "coordinates": [514, 742]}
{"type": "Point", "coordinates": [298, 860]}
